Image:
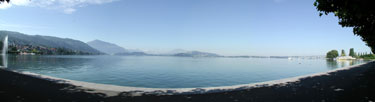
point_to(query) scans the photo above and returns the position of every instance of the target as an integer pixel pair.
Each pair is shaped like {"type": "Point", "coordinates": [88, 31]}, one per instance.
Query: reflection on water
{"type": "Point", "coordinates": [49, 64]}
{"type": "Point", "coordinates": [333, 64]}
{"type": "Point", "coordinates": [3, 61]}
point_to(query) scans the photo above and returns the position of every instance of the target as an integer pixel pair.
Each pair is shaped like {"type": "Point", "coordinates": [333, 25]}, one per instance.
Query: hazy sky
{"type": "Point", "coordinates": [226, 27]}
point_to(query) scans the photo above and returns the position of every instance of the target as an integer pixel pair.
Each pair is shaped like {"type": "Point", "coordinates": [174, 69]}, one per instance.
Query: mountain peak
{"type": "Point", "coordinates": [98, 41]}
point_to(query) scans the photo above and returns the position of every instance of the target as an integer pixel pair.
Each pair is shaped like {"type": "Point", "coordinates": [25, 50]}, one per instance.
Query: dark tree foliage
{"type": "Point", "coordinates": [359, 14]}
{"type": "Point", "coordinates": [4, 0]}
{"type": "Point", "coordinates": [352, 53]}
{"type": "Point", "coordinates": [343, 53]}
{"type": "Point", "coordinates": [332, 54]}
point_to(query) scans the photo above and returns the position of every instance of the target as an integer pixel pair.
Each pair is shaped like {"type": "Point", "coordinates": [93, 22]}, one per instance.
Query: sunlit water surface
{"type": "Point", "coordinates": [171, 72]}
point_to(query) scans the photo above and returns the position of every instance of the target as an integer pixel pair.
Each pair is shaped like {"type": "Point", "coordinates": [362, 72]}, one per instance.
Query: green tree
{"type": "Point", "coordinates": [359, 14]}
{"type": "Point", "coordinates": [352, 53]}
{"type": "Point", "coordinates": [343, 53]}
{"type": "Point", "coordinates": [332, 54]}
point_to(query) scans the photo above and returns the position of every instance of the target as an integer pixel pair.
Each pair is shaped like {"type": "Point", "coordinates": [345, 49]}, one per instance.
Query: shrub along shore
{"type": "Point", "coordinates": [355, 84]}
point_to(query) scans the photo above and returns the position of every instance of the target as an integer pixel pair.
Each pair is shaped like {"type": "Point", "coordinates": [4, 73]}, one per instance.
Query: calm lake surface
{"type": "Point", "coordinates": [171, 72]}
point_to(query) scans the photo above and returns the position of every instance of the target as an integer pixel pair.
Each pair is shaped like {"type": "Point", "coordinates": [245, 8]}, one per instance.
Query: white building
{"type": "Point", "coordinates": [345, 58]}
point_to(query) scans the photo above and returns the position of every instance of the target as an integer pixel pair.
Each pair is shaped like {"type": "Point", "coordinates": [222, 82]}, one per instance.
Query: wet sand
{"type": "Point", "coordinates": [353, 84]}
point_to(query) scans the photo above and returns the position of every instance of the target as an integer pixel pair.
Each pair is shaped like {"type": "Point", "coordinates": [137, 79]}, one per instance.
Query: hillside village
{"type": "Point", "coordinates": [41, 50]}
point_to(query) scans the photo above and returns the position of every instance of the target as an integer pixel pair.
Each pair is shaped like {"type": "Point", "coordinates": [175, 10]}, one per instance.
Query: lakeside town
{"type": "Point", "coordinates": [41, 50]}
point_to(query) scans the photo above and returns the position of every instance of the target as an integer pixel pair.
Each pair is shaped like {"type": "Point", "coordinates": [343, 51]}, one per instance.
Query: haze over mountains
{"type": "Point", "coordinates": [196, 54]}
{"type": "Point", "coordinates": [106, 47]}
{"type": "Point", "coordinates": [113, 49]}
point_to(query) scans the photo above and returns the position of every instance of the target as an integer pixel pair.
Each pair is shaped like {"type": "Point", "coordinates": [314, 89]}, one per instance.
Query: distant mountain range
{"type": "Point", "coordinates": [114, 49]}
{"type": "Point", "coordinates": [93, 47]}
{"type": "Point", "coordinates": [176, 51]}
{"type": "Point", "coordinates": [134, 54]}
{"type": "Point", "coordinates": [196, 54]}
{"type": "Point", "coordinates": [184, 54]}
{"type": "Point", "coordinates": [106, 47]}
{"type": "Point", "coordinates": [16, 38]}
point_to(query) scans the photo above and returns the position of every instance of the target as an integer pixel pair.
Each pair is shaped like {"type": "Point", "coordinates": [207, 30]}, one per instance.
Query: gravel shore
{"type": "Point", "coordinates": [352, 85]}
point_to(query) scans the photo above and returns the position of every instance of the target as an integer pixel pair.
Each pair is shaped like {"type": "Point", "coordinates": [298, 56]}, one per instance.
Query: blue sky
{"type": "Point", "coordinates": [226, 27]}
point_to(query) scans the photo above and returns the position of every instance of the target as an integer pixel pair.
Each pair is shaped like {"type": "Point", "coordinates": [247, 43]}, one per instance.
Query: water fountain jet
{"type": "Point", "coordinates": [3, 61]}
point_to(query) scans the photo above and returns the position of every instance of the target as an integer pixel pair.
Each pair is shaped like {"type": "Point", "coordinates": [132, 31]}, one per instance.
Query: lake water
{"type": "Point", "coordinates": [171, 72]}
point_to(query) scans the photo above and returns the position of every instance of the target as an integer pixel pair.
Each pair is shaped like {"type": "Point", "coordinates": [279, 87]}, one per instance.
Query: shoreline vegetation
{"type": "Point", "coordinates": [333, 54]}
{"type": "Point", "coordinates": [352, 84]}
